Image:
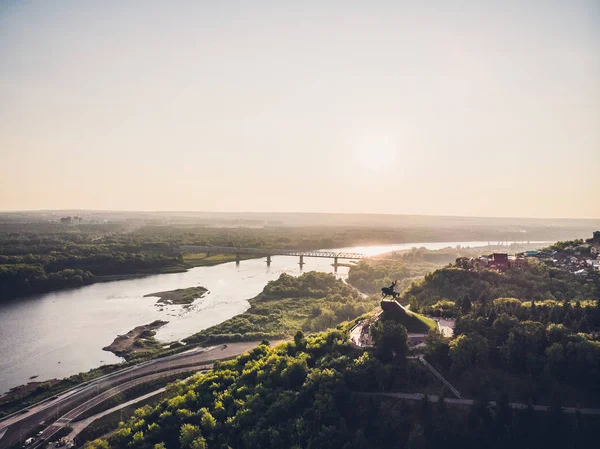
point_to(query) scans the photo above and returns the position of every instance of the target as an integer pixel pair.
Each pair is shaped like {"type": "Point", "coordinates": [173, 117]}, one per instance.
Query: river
{"type": "Point", "coordinates": [62, 333]}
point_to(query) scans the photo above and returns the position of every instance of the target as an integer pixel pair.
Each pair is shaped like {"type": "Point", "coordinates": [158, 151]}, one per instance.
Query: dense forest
{"type": "Point", "coordinates": [313, 393]}
{"type": "Point", "coordinates": [535, 281]}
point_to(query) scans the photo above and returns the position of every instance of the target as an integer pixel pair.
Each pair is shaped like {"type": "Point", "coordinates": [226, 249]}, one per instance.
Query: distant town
{"type": "Point", "coordinates": [579, 257]}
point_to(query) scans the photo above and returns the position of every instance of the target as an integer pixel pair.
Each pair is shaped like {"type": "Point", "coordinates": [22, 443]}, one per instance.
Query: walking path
{"type": "Point", "coordinates": [469, 402]}
{"type": "Point", "coordinates": [437, 374]}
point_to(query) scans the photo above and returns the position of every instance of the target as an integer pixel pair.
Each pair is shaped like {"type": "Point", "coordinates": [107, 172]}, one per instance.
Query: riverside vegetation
{"type": "Point", "coordinates": [38, 257]}
{"type": "Point", "coordinates": [311, 302]}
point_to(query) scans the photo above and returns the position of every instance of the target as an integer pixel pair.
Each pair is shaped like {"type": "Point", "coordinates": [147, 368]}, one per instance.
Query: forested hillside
{"type": "Point", "coordinates": [535, 281]}
{"type": "Point", "coordinates": [305, 395]}
{"type": "Point", "coordinates": [311, 302]}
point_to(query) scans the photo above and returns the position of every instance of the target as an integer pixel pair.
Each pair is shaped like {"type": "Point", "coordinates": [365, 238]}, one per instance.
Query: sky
{"type": "Point", "coordinates": [442, 107]}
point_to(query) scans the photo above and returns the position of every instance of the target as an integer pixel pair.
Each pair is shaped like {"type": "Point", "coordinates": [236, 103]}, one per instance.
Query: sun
{"type": "Point", "coordinates": [376, 154]}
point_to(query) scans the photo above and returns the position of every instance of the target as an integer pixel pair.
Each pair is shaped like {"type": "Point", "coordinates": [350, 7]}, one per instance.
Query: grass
{"type": "Point", "coordinates": [202, 260]}
{"type": "Point", "coordinates": [413, 322]}
{"type": "Point", "coordinates": [179, 296]}
{"type": "Point", "coordinates": [427, 321]}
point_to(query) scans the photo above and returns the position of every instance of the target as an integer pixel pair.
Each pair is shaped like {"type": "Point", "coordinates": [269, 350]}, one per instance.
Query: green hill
{"type": "Point", "coordinates": [413, 322]}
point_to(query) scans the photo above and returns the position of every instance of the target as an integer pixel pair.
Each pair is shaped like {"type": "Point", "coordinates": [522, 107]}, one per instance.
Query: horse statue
{"type": "Point", "coordinates": [389, 291]}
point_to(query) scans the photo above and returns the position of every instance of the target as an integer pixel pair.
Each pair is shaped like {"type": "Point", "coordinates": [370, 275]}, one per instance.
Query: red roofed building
{"type": "Point", "coordinates": [500, 260]}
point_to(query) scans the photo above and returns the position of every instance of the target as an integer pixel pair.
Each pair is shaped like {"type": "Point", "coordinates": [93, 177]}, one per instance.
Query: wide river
{"type": "Point", "coordinates": [62, 333]}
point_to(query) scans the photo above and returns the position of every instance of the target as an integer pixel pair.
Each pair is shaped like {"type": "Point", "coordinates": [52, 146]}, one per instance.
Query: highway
{"type": "Point", "coordinates": [74, 413]}
{"type": "Point", "coordinates": [17, 427]}
{"type": "Point", "coordinates": [80, 425]}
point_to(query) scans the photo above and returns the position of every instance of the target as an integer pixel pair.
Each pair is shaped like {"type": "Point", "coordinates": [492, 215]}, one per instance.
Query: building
{"type": "Point", "coordinates": [500, 260]}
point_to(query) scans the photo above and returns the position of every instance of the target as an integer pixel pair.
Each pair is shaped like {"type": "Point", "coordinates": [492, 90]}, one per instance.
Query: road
{"type": "Point", "coordinates": [469, 402]}
{"type": "Point", "coordinates": [19, 426]}
{"type": "Point", "coordinates": [446, 327]}
{"type": "Point", "coordinates": [79, 426]}
{"type": "Point", "coordinates": [74, 413]}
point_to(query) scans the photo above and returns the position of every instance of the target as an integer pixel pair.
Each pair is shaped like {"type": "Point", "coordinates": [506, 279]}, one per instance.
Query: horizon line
{"type": "Point", "coordinates": [2, 211]}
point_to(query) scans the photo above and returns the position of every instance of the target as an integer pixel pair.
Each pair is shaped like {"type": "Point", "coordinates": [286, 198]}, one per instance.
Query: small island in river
{"type": "Point", "coordinates": [181, 296]}
{"type": "Point", "coordinates": [139, 340]}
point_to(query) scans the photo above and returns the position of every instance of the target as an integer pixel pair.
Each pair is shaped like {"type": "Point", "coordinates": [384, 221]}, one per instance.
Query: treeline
{"type": "Point", "coordinates": [58, 272]}
{"type": "Point", "coordinates": [20, 280]}
{"type": "Point", "coordinates": [536, 281]}
{"type": "Point", "coordinates": [311, 302]}
{"type": "Point", "coordinates": [490, 353]}
{"type": "Point", "coordinates": [407, 267]}
{"type": "Point", "coordinates": [449, 255]}
{"type": "Point", "coordinates": [581, 316]}
{"type": "Point", "coordinates": [531, 332]}
{"type": "Point", "coordinates": [313, 284]}
{"type": "Point", "coordinates": [370, 276]}
{"type": "Point", "coordinates": [304, 394]}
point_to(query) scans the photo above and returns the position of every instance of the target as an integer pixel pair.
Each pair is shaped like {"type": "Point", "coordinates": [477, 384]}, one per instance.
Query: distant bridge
{"type": "Point", "coordinates": [269, 252]}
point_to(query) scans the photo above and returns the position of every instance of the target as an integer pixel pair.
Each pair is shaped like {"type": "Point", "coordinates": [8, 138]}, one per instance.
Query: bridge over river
{"type": "Point", "coordinates": [269, 252]}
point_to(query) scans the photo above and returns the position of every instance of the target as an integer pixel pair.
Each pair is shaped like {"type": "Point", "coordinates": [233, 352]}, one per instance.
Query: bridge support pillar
{"type": "Point", "coordinates": [268, 261]}
{"type": "Point", "coordinates": [237, 259]}
{"type": "Point", "coordinates": [301, 263]}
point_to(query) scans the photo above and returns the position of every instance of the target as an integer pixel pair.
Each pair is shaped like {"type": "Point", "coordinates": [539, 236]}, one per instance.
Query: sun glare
{"type": "Point", "coordinates": [376, 154]}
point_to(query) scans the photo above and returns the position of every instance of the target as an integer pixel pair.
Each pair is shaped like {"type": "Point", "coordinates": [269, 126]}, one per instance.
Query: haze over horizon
{"type": "Point", "coordinates": [430, 108]}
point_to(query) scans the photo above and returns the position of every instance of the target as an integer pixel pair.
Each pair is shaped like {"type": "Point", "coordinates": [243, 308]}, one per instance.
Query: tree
{"type": "Point", "coordinates": [583, 325]}
{"type": "Point", "coordinates": [504, 419]}
{"type": "Point", "coordinates": [390, 339]}
{"type": "Point", "coordinates": [199, 443]}
{"type": "Point", "coordinates": [300, 341]}
{"type": "Point", "coordinates": [465, 305]}
{"type": "Point", "coordinates": [466, 350]}
{"type": "Point", "coordinates": [207, 421]}
{"type": "Point", "coordinates": [437, 349]}
{"type": "Point", "coordinates": [187, 434]}
{"type": "Point", "coordinates": [97, 444]}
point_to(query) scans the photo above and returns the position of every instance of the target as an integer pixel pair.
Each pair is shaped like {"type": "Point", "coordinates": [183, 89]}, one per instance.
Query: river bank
{"type": "Point", "coordinates": [137, 341]}
{"type": "Point", "coordinates": [58, 334]}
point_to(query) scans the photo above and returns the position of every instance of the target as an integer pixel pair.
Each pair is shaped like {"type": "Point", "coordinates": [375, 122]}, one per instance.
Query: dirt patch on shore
{"type": "Point", "coordinates": [139, 340]}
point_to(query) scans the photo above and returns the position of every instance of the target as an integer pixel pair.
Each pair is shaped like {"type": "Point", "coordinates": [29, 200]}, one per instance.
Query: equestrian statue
{"type": "Point", "coordinates": [389, 291]}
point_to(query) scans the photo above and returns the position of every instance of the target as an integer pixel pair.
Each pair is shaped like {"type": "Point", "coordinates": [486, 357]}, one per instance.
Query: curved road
{"type": "Point", "coordinates": [74, 413]}
{"type": "Point", "coordinates": [19, 426]}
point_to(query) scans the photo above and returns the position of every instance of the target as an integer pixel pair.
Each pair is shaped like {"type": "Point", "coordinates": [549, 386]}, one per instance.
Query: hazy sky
{"type": "Point", "coordinates": [488, 108]}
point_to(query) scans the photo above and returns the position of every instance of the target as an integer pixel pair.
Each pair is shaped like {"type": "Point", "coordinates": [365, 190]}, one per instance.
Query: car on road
{"type": "Point", "coordinates": [28, 441]}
